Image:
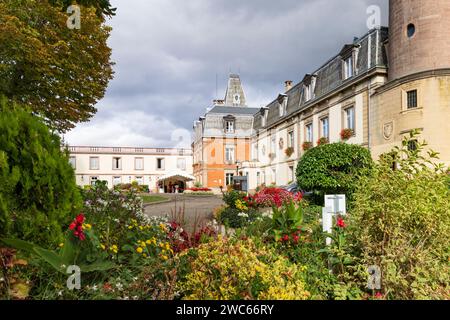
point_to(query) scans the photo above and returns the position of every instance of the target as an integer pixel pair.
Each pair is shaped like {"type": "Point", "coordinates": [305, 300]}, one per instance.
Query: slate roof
{"type": "Point", "coordinates": [233, 110]}
{"type": "Point", "coordinates": [330, 76]}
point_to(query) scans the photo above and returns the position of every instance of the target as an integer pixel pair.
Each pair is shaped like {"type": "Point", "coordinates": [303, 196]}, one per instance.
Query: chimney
{"type": "Point", "coordinates": [287, 85]}
{"type": "Point", "coordinates": [218, 102]}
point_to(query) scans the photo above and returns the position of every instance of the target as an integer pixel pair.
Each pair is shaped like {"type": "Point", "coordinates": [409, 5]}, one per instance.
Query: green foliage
{"type": "Point", "coordinates": [241, 270]}
{"type": "Point", "coordinates": [57, 72]}
{"type": "Point", "coordinates": [401, 222]}
{"type": "Point", "coordinates": [333, 168]}
{"type": "Point", "coordinates": [103, 7]}
{"type": "Point", "coordinates": [86, 255]}
{"type": "Point", "coordinates": [287, 219]}
{"type": "Point", "coordinates": [38, 194]}
{"type": "Point", "coordinates": [232, 196]}
{"type": "Point", "coordinates": [110, 211]}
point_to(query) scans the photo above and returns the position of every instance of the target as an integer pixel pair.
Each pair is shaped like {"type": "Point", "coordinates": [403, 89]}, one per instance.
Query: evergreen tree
{"type": "Point", "coordinates": [38, 193]}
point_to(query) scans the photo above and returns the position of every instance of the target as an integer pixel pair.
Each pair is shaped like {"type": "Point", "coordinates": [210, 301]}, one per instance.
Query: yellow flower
{"type": "Point", "coordinates": [141, 228]}
{"type": "Point", "coordinates": [87, 226]}
{"type": "Point", "coordinates": [61, 245]}
{"type": "Point", "coordinates": [144, 255]}
{"type": "Point", "coordinates": [164, 257]}
{"type": "Point", "coordinates": [102, 246]}
{"type": "Point", "coordinates": [139, 250]}
{"type": "Point", "coordinates": [130, 227]}
{"type": "Point", "coordinates": [149, 242]}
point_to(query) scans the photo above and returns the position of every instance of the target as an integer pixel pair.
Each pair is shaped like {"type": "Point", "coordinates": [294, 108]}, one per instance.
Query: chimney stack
{"type": "Point", "coordinates": [287, 85]}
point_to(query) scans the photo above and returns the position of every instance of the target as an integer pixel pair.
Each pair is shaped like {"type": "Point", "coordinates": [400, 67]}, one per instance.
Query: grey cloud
{"type": "Point", "coordinates": [168, 53]}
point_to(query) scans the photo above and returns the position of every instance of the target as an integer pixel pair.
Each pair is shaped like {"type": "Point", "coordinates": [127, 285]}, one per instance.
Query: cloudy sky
{"type": "Point", "coordinates": [168, 53]}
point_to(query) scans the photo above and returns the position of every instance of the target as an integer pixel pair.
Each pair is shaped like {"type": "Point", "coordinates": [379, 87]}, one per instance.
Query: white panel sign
{"type": "Point", "coordinates": [327, 222]}
{"type": "Point", "coordinates": [336, 203]}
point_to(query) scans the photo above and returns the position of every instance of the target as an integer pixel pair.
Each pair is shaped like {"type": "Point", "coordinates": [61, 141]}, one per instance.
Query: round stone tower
{"type": "Point", "coordinates": [419, 36]}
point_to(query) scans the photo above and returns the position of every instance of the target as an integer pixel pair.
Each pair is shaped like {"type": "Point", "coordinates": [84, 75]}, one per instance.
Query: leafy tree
{"type": "Point", "coordinates": [38, 194]}
{"type": "Point", "coordinates": [57, 72]}
{"type": "Point", "coordinates": [333, 168]}
{"type": "Point", "coordinates": [103, 7]}
{"type": "Point", "coordinates": [401, 222]}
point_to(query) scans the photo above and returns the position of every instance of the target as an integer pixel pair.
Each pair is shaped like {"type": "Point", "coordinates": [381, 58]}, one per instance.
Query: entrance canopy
{"type": "Point", "coordinates": [177, 176]}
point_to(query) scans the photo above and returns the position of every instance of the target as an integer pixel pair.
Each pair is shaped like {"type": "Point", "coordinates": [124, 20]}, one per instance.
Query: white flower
{"type": "Point", "coordinates": [243, 214]}
{"type": "Point", "coordinates": [2, 279]}
{"type": "Point", "coordinates": [95, 288]}
{"type": "Point", "coordinates": [60, 293]}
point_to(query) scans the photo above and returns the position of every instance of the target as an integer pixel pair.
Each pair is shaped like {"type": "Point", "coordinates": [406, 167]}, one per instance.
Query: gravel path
{"type": "Point", "coordinates": [196, 208]}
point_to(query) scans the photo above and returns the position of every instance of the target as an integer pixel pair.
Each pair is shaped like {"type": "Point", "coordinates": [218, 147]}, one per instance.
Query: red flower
{"type": "Point", "coordinates": [285, 238]}
{"type": "Point", "coordinates": [378, 295]}
{"type": "Point", "coordinates": [341, 223]}
{"type": "Point", "coordinates": [77, 227]}
{"type": "Point", "coordinates": [296, 238]}
{"type": "Point", "coordinates": [80, 219]}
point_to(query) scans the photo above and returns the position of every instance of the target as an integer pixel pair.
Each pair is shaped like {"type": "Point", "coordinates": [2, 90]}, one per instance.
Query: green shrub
{"type": "Point", "coordinates": [38, 193]}
{"type": "Point", "coordinates": [333, 168]}
{"type": "Point", "coordinates": [241, 270]}
{"type": "Point", "coordinates": [401, 221]}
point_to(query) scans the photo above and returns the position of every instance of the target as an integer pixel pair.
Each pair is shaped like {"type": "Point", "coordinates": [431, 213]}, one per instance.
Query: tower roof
{"type": "Point", "coordinates": [235, 96]}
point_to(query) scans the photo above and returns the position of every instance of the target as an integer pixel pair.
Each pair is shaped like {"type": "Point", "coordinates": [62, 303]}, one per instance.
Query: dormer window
{"type": "Point", "coordinates": [309, 87]}
{"type": "Point", "coordinates": [348, 68]}
{"type": "Point", "coordinates": [229, 127]}
{"type": "Point", "coordinates": [349, 56]}
{"type": "Point", "coordinates": [282, 105]}
{"type": "Point", "coordinates": [229, 124]}
{"type": "Point", "coordinates": [264, 115]}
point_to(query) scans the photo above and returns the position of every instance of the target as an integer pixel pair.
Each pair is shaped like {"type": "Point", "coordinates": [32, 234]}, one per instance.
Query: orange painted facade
{"type": "Point", "coordinates": [212, 170]}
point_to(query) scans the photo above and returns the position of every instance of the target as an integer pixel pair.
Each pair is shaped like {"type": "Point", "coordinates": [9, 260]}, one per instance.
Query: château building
{"type": "Point", "coordinates": [378, 88]}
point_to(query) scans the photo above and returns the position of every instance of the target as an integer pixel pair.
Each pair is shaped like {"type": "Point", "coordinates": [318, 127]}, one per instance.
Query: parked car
{"type": "Point", "coordinates": [293, 188]}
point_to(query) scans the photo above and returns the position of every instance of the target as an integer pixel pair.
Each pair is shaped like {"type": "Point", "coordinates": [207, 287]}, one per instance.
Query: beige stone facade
{"type": "Point", "coordinates": [392, 120]}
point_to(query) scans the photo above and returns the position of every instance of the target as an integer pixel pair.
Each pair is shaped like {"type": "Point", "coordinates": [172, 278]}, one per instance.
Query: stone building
{"type": "Point", "coordinates": [417, 93]}
{"type": "Point", "coordinates": [161, 169]}
{"type": "Point", "coordinates": [221, 140]}
{"type": "Point", "coordinates": [381, 86]}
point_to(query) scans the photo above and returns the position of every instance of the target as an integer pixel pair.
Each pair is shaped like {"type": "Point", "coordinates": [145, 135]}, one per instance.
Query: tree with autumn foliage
{"type": "Point", "coordinates": [56, 72]}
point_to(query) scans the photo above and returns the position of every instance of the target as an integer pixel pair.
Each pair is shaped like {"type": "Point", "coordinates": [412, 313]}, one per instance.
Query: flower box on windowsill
{"type": "Point", "coordinates": [307, 146]}
{"type": "Point", "coordinates": [323, 141]}
{"type": "Point", "coordinates": [289, 152]}
{"type": "Point", "coordinates": [346, 134]}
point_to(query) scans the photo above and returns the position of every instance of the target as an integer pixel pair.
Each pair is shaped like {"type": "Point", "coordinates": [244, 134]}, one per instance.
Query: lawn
{"type": "Point", "coordinates": [153, 198]}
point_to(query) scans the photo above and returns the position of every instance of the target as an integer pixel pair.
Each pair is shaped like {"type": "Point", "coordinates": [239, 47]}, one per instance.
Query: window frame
{"type": "Point", "coordinates": [309, 134]}
{"type": "Point", "coordinates": [163, 164]}
{"type": "Point", "coordinates": [232, 153]}
{"type": "Point", "coordinates": [408, 100]}
{"type": "Point", "coordinates": [135, 164]}
{"type": "Point", "coordinates": [348, 67]}
{"type": "Point", "coordinates": [291, 139]}
{"type": "Point", "coordinates": [119, 163]}
{"type": "Point", "coordinates": [91, 167]}
{"type": "Point", "coordinates": [346, 120]}
{"type": "Point", "coordinates": [322, 126]}
{"type": "Point", "coordinates": [184, 166]}
{"type": "Point", "coordinates": [74, 162]}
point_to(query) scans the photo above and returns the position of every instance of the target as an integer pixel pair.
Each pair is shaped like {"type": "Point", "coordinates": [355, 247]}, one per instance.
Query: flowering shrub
{"type": "Point", "coordinates": [287, 220]}
{"type": "Point", "coordinates": [148, 240]}
{"type": "Point", "coordinates": [401, 222]}
{"type": "Point", "coordinates": [347, 134]}
{"type": "Point", "coordinates": [228, 270]}
{"type": "Point", "coordinates": [199, 189]}
{"type": "Point", "coordinates": [111, 212]}
{"type": "Point", "coordinates": [272, 197]}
